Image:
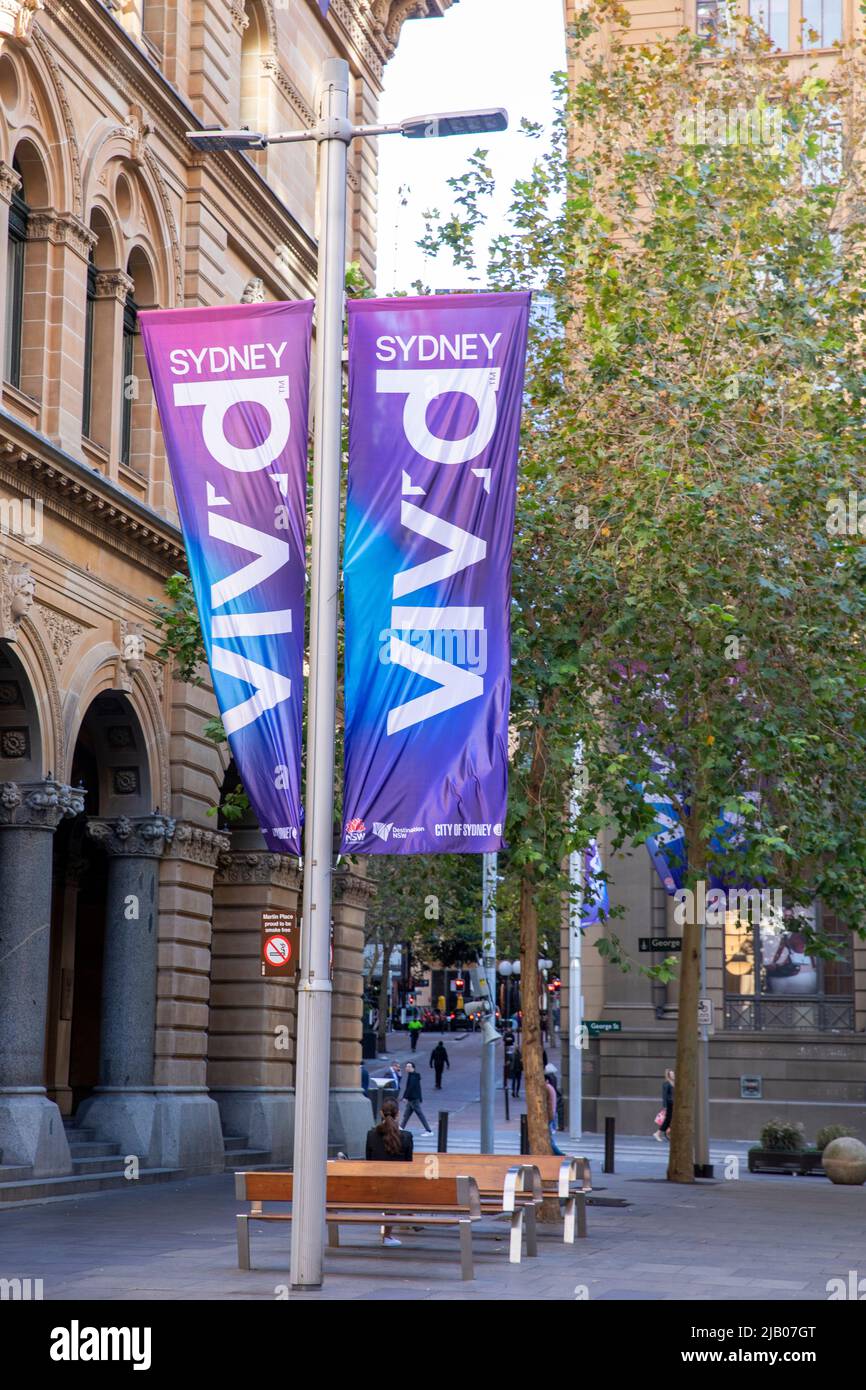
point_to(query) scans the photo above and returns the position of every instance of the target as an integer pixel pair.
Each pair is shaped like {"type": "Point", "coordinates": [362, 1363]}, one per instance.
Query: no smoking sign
{"type": "Point", "coordinates": [280, 943]}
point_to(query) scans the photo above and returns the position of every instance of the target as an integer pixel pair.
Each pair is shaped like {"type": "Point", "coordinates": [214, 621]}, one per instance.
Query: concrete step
{"type": "Point", "coordinates": [107, 1164]}
{"type": "Point", "coordinates": [94, 1149]}
{"type": "Point", "coordinates": [239, 1160]}
{"type": "Point", "coordinates": [11, 1172]}
{"type": "Point", "coordinates": [74, 1185]}
{"type": "Point", "coordinates": [233, 1142]}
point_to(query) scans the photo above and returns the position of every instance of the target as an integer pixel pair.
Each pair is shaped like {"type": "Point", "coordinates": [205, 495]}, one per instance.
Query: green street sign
{"type": "Point", "coordinates": [604, 1025]}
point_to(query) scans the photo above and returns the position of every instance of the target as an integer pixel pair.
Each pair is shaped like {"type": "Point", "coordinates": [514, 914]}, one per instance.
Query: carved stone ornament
{"type": "Point", "coordinates": [197, 845]}
{"type": "Point", "coordinates": [62, 631]}
{"type": "Point", "coordinates": [39, 805]}
{"type": "Point", "coordinates": [139, 837]}
{"type": "Point", "coordinates": [132, 653]}
{"type": "Point", "coordinates": [254, 291]}
{"type": "Point", "coordinates": [16, 17]}
{"type": "Point", "coordinates": [259, 866]}
{"type": "Point", "coordinates": [17, 593]}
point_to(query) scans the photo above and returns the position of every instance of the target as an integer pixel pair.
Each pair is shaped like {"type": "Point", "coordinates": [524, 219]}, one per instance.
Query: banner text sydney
{"type": "Point", "coordinates": [435, 394]}
{"type": "Point", "coordinates": [232, 387]}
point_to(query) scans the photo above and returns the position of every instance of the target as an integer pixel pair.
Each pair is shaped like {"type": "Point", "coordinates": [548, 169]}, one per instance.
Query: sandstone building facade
{"type": "Point", "coordinates": [133, 1015]}
{"type": "Point", "coordinates": [793, 1047]}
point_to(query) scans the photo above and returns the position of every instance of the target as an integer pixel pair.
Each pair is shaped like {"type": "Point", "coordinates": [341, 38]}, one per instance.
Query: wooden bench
{"type": "Point", "coordinates": [564, 1178]}
{"type": "Point", "coordinates": [507, 1189]}
{"type": "Point", "coordinates": [569, 1179]}
{"type": "Point", "coordinates": [395, 1199]}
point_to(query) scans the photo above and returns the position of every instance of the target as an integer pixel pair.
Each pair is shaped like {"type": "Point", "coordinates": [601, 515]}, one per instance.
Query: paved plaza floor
{"type": "Point", "coordinates": [768, 1238]}
{"type": "Point", "coordinates": [742, 1236]}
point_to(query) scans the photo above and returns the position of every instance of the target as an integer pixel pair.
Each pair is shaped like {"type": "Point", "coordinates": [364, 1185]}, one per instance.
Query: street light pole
{"type": "Point", "coordinates": [333, 133]}
{"type": "Point", "coordinates": [488, 1049]}
{"type": "Point", "coordinates": [313, 1057]}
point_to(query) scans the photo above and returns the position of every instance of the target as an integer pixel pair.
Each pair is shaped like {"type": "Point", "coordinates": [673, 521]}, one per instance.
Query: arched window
{"type": "Point", "coordinates": [256, 46]}
{"type": "Point", "coordinates": [89, 322]}
{"type": "Point", "coordinates": [128, 383]}
{"type": "Point", "coordinates": [15, 256]}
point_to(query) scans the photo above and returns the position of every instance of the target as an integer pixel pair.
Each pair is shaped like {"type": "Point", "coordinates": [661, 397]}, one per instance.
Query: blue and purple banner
{"type": "Point", "coordinates": [435, 395]}
{"type": "Point", "coordinates": [596, 898]}
{"type": "Point", "coordinates": [232, 389]}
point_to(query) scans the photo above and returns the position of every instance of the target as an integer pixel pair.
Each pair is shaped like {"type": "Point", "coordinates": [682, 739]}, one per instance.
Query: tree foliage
{"type": "Point", "coordinates": [682, 608]}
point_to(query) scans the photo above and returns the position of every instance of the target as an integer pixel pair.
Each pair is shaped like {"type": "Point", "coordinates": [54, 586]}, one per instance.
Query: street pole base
{"type": "Point", "coordinates": [302, 1288]}
{"type": "Point", "coordinates": [704, 1170]}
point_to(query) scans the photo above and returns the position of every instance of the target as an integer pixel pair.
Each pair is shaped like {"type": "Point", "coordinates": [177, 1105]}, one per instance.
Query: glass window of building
{"type": "Point", "coordinates": [774, 981]}
{"type": "Point", "coordinates": [89, 312]}
{"type": "Point", "coordinates": [772, 17]}
{"type": "Point", "coordinates": [128, 384]}
{"type": "Point", "coordinates": [15, 255]}
{"type": "Point", "coordinates": [822, 25]}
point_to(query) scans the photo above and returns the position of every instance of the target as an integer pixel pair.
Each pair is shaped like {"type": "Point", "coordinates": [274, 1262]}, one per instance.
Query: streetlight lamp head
{"type": "Point", "coordinates": [516, 967]}
{"type": "Point", "coordinates": [505, 968]}
{"type": "Point", "coordinates": [487, 122]}
{"type": "Point", "coordinates": [209, 141]}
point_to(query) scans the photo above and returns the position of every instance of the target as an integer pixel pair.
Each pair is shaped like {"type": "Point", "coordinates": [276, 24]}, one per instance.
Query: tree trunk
{"type": "Point", "coordinates": [681, 1161]}
{"type": "Point", "coordinates": [533, 1065]}
{"type": "Point", "coordinates": [382, 1026]}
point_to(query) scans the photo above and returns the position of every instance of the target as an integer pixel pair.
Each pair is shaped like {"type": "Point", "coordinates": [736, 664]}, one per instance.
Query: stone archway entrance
{"type": "Point", "coordinates": [103, 977]}
{"type": "Point", "coordinates": [32, 807]}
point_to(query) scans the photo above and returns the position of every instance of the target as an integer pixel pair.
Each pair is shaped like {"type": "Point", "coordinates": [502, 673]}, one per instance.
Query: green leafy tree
{"type": "Point", "coordinates": [688, 607]}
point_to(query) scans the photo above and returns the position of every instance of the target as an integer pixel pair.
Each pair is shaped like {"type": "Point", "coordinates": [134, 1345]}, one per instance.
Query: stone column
{"type": "Point", "coordinates": [251, 1042]}
{"type": "Point", "coordinates": [31, 1129]}
{"type": "Point", "coordinates": [192, 1137]}
{"type": "Point", "coordinates": [349, 1109]}
{"type": "Point", "coordinates": [112, 287]}
{"type": "Point", "coordinates": [123, 1106]}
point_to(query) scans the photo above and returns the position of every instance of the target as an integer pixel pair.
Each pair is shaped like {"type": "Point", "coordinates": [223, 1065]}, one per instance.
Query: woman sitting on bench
{"type": "Point", "coordinates": [387, 1142]}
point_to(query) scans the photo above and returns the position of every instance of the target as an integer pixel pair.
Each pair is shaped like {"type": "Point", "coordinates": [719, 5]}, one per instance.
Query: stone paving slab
{"type": "Point", "coordinates": [775, 1241]}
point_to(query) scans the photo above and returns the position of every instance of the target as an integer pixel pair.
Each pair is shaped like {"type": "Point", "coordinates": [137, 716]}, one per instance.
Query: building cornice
{"type": "Point", "coordinates": [84, 498]}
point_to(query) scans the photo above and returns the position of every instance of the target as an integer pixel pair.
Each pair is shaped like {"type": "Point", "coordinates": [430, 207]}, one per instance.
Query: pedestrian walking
{"type": "Point", "coordinates": [414, 1027]}
{"type": "Point", "coordinates": [439, 1061]}
{"type": "Point", "coordinates": [665, 1116]}
{"type": "Point", "coordinates": [551, 1117]}
{"type": "Point", "coordinates": [516, 1071]}
{"type": "Point", "coordinates": [412, 1097]}
{"type": "Point", "coordinates": [388, 1143]}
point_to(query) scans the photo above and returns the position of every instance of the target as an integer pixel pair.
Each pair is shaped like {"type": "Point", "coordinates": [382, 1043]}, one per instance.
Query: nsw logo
{"type": "Point", "coordinates": [383, 831]}
{"type": "Point", "coordinates": [355, 830]}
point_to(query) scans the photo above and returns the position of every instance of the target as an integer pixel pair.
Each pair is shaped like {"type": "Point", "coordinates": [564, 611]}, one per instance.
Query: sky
{"type": "Point", "coordinates": [481, 53]}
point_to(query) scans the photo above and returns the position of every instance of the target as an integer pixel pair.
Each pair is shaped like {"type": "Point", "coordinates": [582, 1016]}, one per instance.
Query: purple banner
{"type": "Point", "coordinates": [435, 394]}
{"type": "Point", "coordinates": [232, 388]}
{"type": "Point", "coordinates": [323, 6]}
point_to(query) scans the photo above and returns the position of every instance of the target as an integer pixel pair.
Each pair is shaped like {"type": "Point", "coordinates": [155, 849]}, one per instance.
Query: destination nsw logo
{"type": "Point", "coordinates": [77, 1343]}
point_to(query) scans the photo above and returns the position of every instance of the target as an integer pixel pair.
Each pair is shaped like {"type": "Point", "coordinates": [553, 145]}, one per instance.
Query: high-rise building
{"type": "Point", "coordinates": [132, 1004]}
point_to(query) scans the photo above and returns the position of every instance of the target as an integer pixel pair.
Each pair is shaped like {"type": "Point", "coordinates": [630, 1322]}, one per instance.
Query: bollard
{"type": "Point", "coordinates": [609, 1143]}
{"type": "Point", "coordinates": [442, 1141]}
{"type": "Point", "coordinates": [524, 1135]}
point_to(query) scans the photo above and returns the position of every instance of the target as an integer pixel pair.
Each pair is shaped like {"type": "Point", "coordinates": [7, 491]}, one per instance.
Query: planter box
{"type": "Point", "coordinates": [802, 1161]}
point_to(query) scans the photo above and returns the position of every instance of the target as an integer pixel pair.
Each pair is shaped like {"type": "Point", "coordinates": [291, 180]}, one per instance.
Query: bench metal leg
{"type": "Point", "coordinates": [531, 1231]}
{"type": "Point", "coordinates": [569, 1220]}
{"type": "Point", "coordinates": [515, 1248]}
{"type": "Point", "coordinates": [467, 1267]}
{"type": "Point", "coordinates": [333, 1235]}
{"type": "Point", "coordinates": [581, 1215]}
{"type": "Point", "coordinates": [243, 1242]}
